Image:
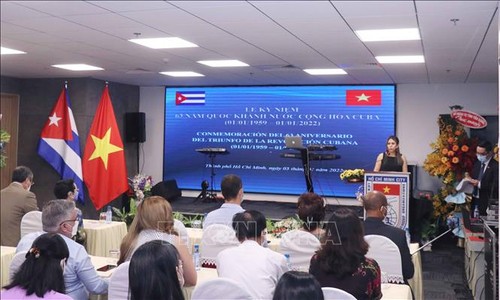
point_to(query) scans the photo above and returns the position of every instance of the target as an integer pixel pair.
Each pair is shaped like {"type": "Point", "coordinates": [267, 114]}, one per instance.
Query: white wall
{"type": "Point", "coordinates": [418, 107]}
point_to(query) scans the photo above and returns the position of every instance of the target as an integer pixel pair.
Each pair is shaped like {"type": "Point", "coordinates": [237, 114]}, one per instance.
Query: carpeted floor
{"type": "Point", "coordinates": [443, 271]}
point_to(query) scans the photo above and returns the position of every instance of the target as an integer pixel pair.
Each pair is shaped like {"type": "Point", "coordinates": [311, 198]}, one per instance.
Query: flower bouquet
{"type": "Point", "coordinates": [277, 229]}
{"type": "Point", "coordinates": [142, 185]}
{"type": "Point", "coordinates": [356, 175]}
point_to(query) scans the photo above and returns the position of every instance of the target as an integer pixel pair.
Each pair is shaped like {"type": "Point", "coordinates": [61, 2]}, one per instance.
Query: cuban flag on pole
{"type": "Point", "coordinates": [60, 145]}
{"type": "Point", "coordinates": [196, 98]}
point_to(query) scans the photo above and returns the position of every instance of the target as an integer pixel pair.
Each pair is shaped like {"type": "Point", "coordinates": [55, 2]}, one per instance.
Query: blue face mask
{"type": "Point", "coordinates": [481, 158]}
{"type": "Point", "coordinates": [75, 195]}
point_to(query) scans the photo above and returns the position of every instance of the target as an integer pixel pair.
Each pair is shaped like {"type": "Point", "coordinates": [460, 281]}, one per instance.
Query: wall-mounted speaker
{"type": "Point", "coordinates": [135, 127]}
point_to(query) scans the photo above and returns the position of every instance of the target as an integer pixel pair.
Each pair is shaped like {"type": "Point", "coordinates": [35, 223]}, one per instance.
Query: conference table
{"type": "Point", "coordinates": [415, 283]}
{"type": "Point", "coordinates": [7, 254]}
{"type": "Point", "coordinates": [389, 290]}
{"type": "Point", "coordinates": [103, 237]}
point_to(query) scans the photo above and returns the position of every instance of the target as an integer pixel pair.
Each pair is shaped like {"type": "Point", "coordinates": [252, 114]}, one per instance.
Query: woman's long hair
{"type": "Point", "coordinates": [153, 213]}
{"type": "Point", "coordinates": [41, 272]}
{"type": "Point", "coordinates": [343, 245]}
{"type": "Point", "coordinates": [153, 274]}
{"type": "Point", "coordinates": [311, 210]}
{"type": "Point", "coordinates": [398, 152]}
{"type": "Point", "coordinates": [298, 285]}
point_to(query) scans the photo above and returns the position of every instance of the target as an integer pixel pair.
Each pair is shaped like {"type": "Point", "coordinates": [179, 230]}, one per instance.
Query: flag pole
{"type": "Point", "coordinates": [65, 84]}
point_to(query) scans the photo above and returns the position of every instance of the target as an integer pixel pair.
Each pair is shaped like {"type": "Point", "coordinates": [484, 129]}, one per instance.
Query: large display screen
{"type": "Point", "coordinates": [251, 124]}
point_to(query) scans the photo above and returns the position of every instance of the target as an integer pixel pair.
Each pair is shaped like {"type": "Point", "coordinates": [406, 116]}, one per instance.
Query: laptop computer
{"type": "Point", "coordinates": [294, 142]}
{"type": "Point", "coordinates": [475, 226]}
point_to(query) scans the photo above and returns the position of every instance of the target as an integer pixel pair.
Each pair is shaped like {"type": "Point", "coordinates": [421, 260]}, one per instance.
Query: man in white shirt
{"type": "Point", "coordinates": [232, 190]}
{"type": "Point", "coordinates": [257, 268]}
{"type": "Point", "coordinates": [80, 276]}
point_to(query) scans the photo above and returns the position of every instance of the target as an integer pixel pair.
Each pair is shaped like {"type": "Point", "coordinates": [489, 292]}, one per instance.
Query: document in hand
{"type": "Point", "coordinates": [465, 186]}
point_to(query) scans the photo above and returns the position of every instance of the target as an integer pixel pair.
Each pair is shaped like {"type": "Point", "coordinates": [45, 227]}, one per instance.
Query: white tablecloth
{"type": "Point", "coordinates": [7, 255]}
{"type": "Point", "coordinates": [102, 237]}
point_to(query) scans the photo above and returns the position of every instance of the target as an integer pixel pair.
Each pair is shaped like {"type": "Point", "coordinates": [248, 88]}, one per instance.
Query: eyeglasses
{"type": "Point", "coordinates": [74, 221]}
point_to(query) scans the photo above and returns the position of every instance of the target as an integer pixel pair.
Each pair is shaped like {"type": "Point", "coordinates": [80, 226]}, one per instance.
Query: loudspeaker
{"type": "Point", "coordinates": [135, 127]}
{"type": "Point", "coordinates": [168, 189]}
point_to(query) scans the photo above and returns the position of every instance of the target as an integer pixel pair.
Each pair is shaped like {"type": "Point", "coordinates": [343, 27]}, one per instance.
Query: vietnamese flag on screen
{"type": "Point", "coordinates": [387, 188]}
{"type": "Point", "coordinates": [104, 168]}
{"type": "Point", "coordinates": [363, 97]}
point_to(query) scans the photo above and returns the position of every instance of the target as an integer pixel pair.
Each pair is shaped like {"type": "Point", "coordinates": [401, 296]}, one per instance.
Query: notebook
{"type": "Point", "coordinates": [476, 226]}
{"type": "Point", "coordinates": [293, 142]}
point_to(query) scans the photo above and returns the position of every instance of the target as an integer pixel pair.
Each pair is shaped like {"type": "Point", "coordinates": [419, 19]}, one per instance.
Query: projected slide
{"type": "Point", "coordinates": [252, 122]}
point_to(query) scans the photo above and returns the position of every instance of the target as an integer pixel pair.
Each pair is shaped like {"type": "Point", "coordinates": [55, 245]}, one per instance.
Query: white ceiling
{"type": "Point", "coordinates": [276, 38]}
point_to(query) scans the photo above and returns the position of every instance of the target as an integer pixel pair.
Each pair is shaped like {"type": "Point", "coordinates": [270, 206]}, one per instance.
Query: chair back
{"type": "Point", "coordinates": [118, 283]}
{"type": "Point", "coordinates": [301, 246]}
{"type": "Point", "coordinates": [388, 257]}
{"type": "Point", "coordinates": [15, 264]}
{"type": "Point", "coordinates": [31, 222]}
{"type": "Point", "coordinates": [183, 234]}
{"type": "Point", "coordinates": [220, 288]}
{"type": "Point", "coordinates": [331, 293]}
{"type": "Point", "coordinates": [214, 239]}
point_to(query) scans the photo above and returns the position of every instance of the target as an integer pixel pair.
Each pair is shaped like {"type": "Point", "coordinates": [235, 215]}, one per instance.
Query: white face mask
{"type": "Point", "coordinates": [75, 195]}
{"type": "Point", "coordinates": [74, 230]}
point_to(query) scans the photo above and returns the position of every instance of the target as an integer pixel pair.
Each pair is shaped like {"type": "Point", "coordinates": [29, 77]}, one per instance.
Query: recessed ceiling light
{"type": "Point", "coordinates": [164, 43]}
{"type": "Point", "coordinates": [78, 67]}
{"type": "Point", "coordinates": [182, 74]}
{"type": "Point", "coordinates": [325, 71]}
{"type": "Point", "coordinates": [4, 50]}
{"type": "Point", "coordinates": [403, 34]}
{"type": "Point", "coordinates": [402, 59]}
{"type": "Point", "coordinates": [223, 63]}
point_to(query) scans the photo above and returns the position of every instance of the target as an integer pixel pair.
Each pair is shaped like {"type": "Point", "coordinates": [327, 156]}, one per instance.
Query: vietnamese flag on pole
{"type": "Point", "coordinates": [104, 168]}
{"type": "Point", "coordinates": [389, 189]}
{"type": "Point", "coordinates": [363, 97]}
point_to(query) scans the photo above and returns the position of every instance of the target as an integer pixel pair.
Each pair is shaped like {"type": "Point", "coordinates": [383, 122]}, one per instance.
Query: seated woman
{"type": "Point", "coordinates": [301, 244]}
{"type": "Point", "coordinates": [298, 285]}
{"type": "Point", "coordinates": [341, 261]}
{"type": "Point", "coordinates": [155, 272]}
{"type": "Point", "coordinates": [41, 274]}
{"type": "Point", "coordinates": [154, 221]}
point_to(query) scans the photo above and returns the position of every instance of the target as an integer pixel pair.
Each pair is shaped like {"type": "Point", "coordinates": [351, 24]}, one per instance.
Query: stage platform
{"type": "Point", "coordinates": [271, 209]}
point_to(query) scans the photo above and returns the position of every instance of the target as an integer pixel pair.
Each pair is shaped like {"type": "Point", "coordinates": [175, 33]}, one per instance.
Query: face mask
{"type": "Point", "coordinates": [75, 195]}
{"type": "Point", "coordinates": [481, 158]}
{"type": "Point", "coordinates": [74, 230]}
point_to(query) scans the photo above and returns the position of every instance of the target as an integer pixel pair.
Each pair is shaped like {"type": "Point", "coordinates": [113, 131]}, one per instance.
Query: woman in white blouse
{"type": "Point", "coordinates": [154, 221]}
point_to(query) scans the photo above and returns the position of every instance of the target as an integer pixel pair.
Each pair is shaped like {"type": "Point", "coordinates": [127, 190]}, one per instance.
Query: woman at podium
{"type": "Point", "coordinates": [391, 159]}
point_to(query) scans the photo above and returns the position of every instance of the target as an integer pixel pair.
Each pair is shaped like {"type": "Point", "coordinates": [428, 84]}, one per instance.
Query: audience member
{"type": "Point", "coordinates": [341, 261]}
{"type": "Point", "coordinates": [155, 272]}
{"type": "Point", "coordinates": [298, 285]}
{"type": "Point", "coordinates": [16, 201]}
{"type": "Point", "coordinates": [391, 159]}
{"type": "Point", "coordinates": [375, 205]}
{"type": "Point", "coordinates": [232, 190]}
{"type": "Point", "coordinates": [485, 177]}
{"type": "Point", "coordinates": [311, 210]}
{"type": "Point", "coordinates": [67, 189]}
{"type": "Point", "coordinates": [41, 274]}
{"type": "Point", "coordinates": [257, 268]}
{"type": "Point", "coordinates": [80, 277]}
{"type": "Point", "coordinates": [154, 221]}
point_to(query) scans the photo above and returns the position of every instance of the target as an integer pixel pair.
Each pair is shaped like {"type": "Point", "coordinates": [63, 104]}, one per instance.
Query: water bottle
{"type": "Point", "coordinates": [196, 257]}
{"type": "Point", "coordinates": [109, 215]}
{"type": "Point", "coordinates": [287, 258]}
{"type": "Point", "coordinates": [476, 212]}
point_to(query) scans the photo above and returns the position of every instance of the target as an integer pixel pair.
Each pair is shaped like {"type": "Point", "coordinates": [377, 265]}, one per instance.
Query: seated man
{"type": "Point", "coordinates": [232, 190]}
{"type": "Point", "coordinates": [375, 204]}
{"type": "Point", "coordinates": [257, 268]}
{"type": "Point", "coordinates": [80, 276]}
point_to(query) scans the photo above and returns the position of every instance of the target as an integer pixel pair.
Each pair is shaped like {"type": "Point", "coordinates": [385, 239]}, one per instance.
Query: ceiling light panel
{"type": "Point", "coordinates": [78, 67]}
{"type": "Point", "coordinates": [381, 35]}
{"type": "Point", "coordinates": [182, 74]}
{"type": "Point", "coordinates": [4, 50]}
{"type": "Point", "coordinates": [325, 71]}
{"type": "Point", "coordinates": [223, 63]}
{"type": "Point", "coordinates": [403, 59]}
{"type": "Point", "coordinates": [164, 43]}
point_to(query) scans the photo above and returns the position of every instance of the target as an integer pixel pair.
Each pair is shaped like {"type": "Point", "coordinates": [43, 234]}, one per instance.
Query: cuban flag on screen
{"type": "Point", "coordinates": [59, 143]}
{"type": "Point", "coordinates": [190, 98]}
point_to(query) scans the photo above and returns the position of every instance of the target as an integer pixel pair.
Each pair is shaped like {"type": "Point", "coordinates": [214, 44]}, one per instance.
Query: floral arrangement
{"type": "Point", "coordinates": [453, 155]}
{"type": "Point", "coordinates": [352, 175]}
{"type": "Point", "coordinates": [4, 138]}
{"type": "Point", "coordinates": [278, 228]}
{"type": "Point", "coordinates": [142, 185]}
